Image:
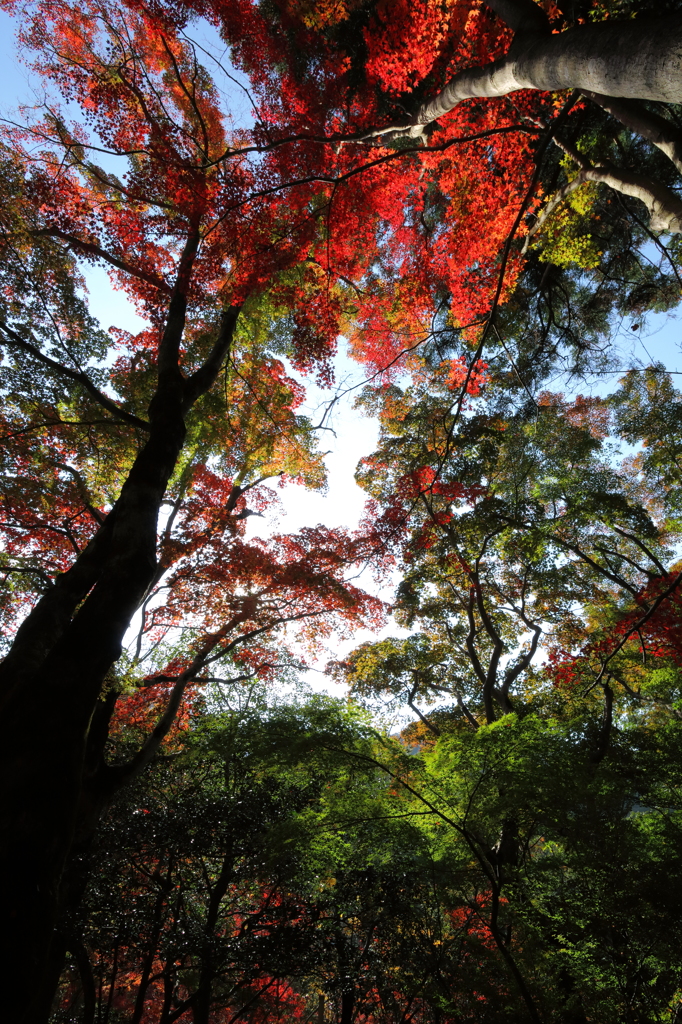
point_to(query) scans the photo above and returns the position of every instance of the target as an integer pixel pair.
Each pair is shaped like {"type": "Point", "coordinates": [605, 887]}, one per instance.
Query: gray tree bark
{"type": "Point", "coordinates": [665, 208]}
{"type": "Point", "coordinates": [629, 59]}
{"type": "Point", "coordinates": [640, 59]}
{"type": "Point", "coordinates": [612, 63]}
{"type": "Point", "coordinates": [656, 129]}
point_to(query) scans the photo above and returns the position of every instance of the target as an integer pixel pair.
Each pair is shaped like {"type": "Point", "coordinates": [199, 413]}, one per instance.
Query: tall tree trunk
{"type": "Point", "coordinates": [201, 1010]}
{"type": "Point", "coordinates": [347, 1004]}
{"type": "Point", "coordinates": [47, 720]}
{"type": "Point", "coordinates": [51, 680]}
{"type": "Point", "coordinates": [638, 59]}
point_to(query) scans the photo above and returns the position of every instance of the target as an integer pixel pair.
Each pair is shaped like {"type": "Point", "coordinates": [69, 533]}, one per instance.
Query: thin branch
{"type": "Point", "coordinates": [410, 703]}
{"type": "Point", "coordinates": [634, 629]}
{"type": "Point", "coordinates": [642, 546]}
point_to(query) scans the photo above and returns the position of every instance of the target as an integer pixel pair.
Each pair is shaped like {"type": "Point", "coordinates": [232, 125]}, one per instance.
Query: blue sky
{"type": "Point", "coordinates": [354, 435]}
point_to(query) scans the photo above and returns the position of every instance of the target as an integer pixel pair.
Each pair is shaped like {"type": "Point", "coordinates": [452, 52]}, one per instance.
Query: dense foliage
{"type": "Point", "coordinates": [187, 834]}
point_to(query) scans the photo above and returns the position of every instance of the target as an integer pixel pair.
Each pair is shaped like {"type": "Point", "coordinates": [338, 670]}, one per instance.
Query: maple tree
{"type": "Point", "coordinates": [336, 212]}
{"type": "Point", "coordinates": [522, 529]}
{"type": "Point", "coordinates": [85, 534]}
{"type": "Point", "coordinates": [294, 862]}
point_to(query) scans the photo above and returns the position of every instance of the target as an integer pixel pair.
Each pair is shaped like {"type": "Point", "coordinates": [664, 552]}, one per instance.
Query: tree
{"type": "Point", "coordinates": [164, 231]}
{"type": "Point", "coordinates": [187, 875]}
{"type": "Point", "coordinates": [608, 62]}
{"type": "Point", "coordinates": [428, 58]}
{"type": "Point", "coordinates": [512, 526]}
{"type": "Point", "coordinates": [236, 262]}
{"type": "Point", "coordinates": [522, 529]}
{"type": "Point", "coordinates": [232, 877]}
{"type": "Point", "coordinates": [571, 892]}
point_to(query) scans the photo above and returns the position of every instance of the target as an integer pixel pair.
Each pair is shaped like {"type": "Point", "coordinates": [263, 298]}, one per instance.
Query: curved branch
{"type": "Point", "coordinates": [411, 694]}
{"type": "Point", "coordinates": [204, 377]}
{"type": "Point", "coordinates": [602, 570]}
{"type": "Point", "coordinates": [665, 208]}
{"type": "Point", "coordinates": [637, 626]}
{"type": "Point", "coordinates": [642, 546]}
{"type": "Point", "coordinates": [637, 59]}
{"type": "Point", "coordinates": [514, 671]}
{"type": "Point", "coordinates": [465, 711]}
{"type": "Point", "coordinates": [85, 494]}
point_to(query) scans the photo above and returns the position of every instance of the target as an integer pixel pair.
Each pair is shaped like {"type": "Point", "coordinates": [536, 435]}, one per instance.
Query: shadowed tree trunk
{"type": "Point", "coordinates": [51, 680]}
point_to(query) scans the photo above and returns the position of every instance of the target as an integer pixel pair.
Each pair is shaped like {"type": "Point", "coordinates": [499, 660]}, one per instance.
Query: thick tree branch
{"type": "Point", "coordinates": [514, 671]}
{"type": "Point", "coordinates": [76, 375]}
{"type": "Point", "coordinates": [169, 347]}
{"type": "Point", "coordinates": [489, 688]}
{"type": "Point", "coordinates": [635, 116]}
{"type": "Point", "coordinates": [92, 249]}
{"type": "Point", "coordinates": [204, 377]}
{"type": "Point", "coordinates": [665, 208]}
{"type": "Point", "coordinates": [470, 643]}
{"type": "Point", "coordinates": [637, 59]}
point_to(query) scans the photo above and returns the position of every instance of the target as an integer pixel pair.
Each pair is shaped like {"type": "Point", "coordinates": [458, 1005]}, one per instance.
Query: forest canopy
{"type": "Point", "coordinates": [476, 200]}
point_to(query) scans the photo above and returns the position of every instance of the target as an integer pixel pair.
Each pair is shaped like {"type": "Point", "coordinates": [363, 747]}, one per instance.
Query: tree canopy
{"type": "Point", "coordinates": [474, 197]}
